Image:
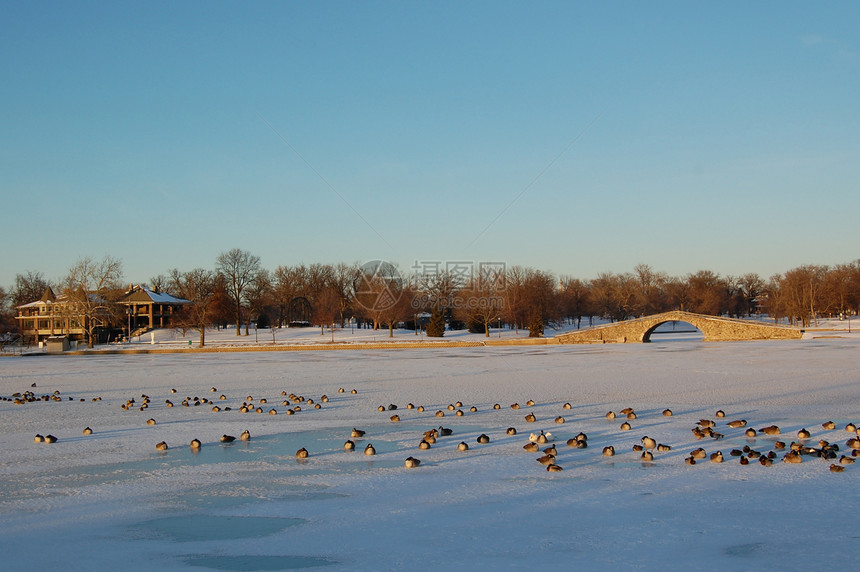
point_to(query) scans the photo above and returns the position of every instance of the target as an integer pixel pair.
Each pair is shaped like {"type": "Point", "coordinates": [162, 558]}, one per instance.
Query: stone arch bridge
{"type": "Point", "coordinates": [715, 329]}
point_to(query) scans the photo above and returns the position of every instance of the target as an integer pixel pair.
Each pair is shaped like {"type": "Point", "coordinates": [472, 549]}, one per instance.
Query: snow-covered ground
{"type": "Point", "coordinates": [110, 500]}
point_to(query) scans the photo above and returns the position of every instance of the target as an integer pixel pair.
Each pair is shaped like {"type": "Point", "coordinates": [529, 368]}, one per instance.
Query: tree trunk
{"type": "Point", "coordinates": [238, 318]}
{"type": "Point", "coordinates": [202, 336]}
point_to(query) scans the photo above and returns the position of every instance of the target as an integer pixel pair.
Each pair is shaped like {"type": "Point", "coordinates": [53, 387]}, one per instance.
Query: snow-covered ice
{"type": "Point", "coordinates": [110, 500]}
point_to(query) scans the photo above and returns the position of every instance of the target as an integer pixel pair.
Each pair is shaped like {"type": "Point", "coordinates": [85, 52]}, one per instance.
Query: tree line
{"type": "Point", "coordinates": [238, 291]}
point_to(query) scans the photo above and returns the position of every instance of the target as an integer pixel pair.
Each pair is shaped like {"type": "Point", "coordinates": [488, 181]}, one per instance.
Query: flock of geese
{"type": "Point", "coordinates": [541, 442]}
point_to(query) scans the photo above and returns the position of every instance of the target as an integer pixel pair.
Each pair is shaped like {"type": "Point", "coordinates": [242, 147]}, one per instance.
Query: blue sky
{"type": "Point", "coordinates": [597, 136]}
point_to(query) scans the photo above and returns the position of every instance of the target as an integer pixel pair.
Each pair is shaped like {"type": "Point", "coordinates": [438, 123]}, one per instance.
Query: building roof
{"type": "Point", "coordinates": [146, 295]}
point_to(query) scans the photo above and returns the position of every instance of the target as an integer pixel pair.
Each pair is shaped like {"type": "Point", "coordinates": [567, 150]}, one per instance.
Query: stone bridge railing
{"type": "Point", "coordinates": [714, 328]}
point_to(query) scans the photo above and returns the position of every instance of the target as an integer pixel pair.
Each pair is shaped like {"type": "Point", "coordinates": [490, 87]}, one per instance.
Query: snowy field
{"type": "Point", "coordinates": [110, 500]}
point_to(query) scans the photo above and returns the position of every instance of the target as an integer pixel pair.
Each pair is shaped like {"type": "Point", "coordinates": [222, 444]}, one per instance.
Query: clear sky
{"type": "Point", "coordinates": [574, 137]}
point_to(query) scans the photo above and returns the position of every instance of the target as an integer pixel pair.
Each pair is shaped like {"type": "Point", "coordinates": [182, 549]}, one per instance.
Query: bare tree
{"type": "Point", "coordinates": [92, 289]}
{"type": "Point", "coordinates": [239, 269]}
{"type": "Point", "coordinates": [199, 287]}
{"type": "Point", "coordinates": [28, 288]}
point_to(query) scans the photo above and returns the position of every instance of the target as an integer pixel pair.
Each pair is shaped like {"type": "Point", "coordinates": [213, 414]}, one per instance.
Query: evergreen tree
{"type": "Point", "coordinates": [436, 325]}
{"type": "Point", "coordinates": [536, 326]}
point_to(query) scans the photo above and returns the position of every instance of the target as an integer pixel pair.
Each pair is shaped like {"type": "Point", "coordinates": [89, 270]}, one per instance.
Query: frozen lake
{"type": "Point", "coordinates": [110, 499]}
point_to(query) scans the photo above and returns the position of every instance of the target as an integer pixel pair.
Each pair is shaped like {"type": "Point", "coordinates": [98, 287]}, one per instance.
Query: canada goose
{"type": "Point", "coordinates": [853, 443]}
{"type": "Point", "coordinates": [324, 399]}
{"type": "Point", "coordinates": [626, 411]}
{"type": "Point", "coordinates": [173, 390]}
{"type": "Point", "coordinates": [451, 407]}
{"type": "Point", "coordinates": [459, 413]}
{"type": "Point", "coordinates": [411, 462]}
{"type": "Point", "coordinates": [667, 412]}
{"type": "Point", "coordinates": [530, 403]}
{"type": "Point", "coordinates": [779, 445]}
{"type": "Point", "coordinates": [483, 439]}
{"type": "Point", "coordinates": [751, 433]}
{"type": "Point", "coordinates": [150, 421]}
{"type": "Point", "coordinates": [302, 453]}
{"type": "Point", "coordinates": [546, 459]}
{"type": "Point", "coordinates": [690, 461]}
{"type": "Point", "coordinates": [647, 456]}
{"type": "Point", "coordinates": [392, 407]}
{"type": "Point", "coordinates": [381, 408]}
{"type": "Point", "coordinates": [216, 409]}
{"type": "Point", "coordinates": [531, 447]}
{"type": "Point", "coordinates": [765, 461]}
{"type": "Point", "coordinates": [340, 390]}
{"type": "Point", "coordinates": [431, 434]}
{"type": "Point", "coordinates": [369, 450]}
{"type": "Point", "coordinates": [631, 415]}
{"type": "Point", "coordinates": [410, 406]}
{"type": "Point", "coordinates": [515, 405]}
{"type": "Point", "coordinates": [245, 436]}
{"type": "Point", "coordinates": [717, 457]}
{"type": "Point", "coordinates": [846, 460]}
{"type": "Point", "coordinates": [559, 420]}
{"type": "Point", "coordinates": [291, 411]}
{"type": "Point", "coordinates": [430, 438]}
{"type": "Point", "coordinates": [161, 446]}
{"type": "Point", "coordinates": [227, 438]}
{"type": "Point", "coordinates": [770, 430]}
{"type": "Point", "coordinates": [572, 442]}
{"type": "Point", "coordinates": [648, 442]}
{"type": "Point", "coordinates": [317, 406]}
{"type": "Point", "coordinates": [423, 444]}
{"type": "Point", "coordinates": [357, 432]}
{"type": "Point", "coordinates": [792, 457]}
{"type": "Point", "coordinates": [638, 448]}
{"type": "Point", "coordinates": [168, 403]}
{"type": "Point", "coordinates": [530, 418]}
{"type": "Point", "coordinates": [608, 451]}
{"type": "Point", "coordinates": [195, 444]}
{"type": "Point", "coordinates": [625, 426]}
{"type": "Point", "coordinates": [803, 434]}
{"type": "Point", "coordinates": [663, 448]}
{"type": "Point", "coordinates": [829, 425]}
{"type": "Point", "coordinates": [737, 424]}
{"type": "Point", "coordinates": [836, 468]}
{"type": "Point", "coordinates": [720, 413]}
{"type": "Point", "coordinates": [38, 438]}
{"type": "Point", "coordinates": [444, 431]}
{"type": "Point", "coordinates": [698, 453]}
{"type": "Point", "coordinates": [420, 409]}
{"type": "Point", "coordinates": [706, 423]}
{"type": "Point", "coordinates": [395, 418]}
{"type": "Point", "coordinates": [610, 415]}
{"type": "Point", "coordinates": [551, 451]}
{"type": "Point", "coordinates": [566, 406]}
{"type": "Point", "coordinates": [88, 431]}
{"type": "Point", "coordinates": [511, 431]}
{"type": "Point", "coordinates": [496, 406]}
{"type": "Point", "coordinates": [544, 438]}
{"type": "Point", "coordinates": [354, 391]}
{"type": "Point", "coordinates": [462, 446]}
{"type": "Point", "coordinates": [553, 468]}
{"type": "Point", "coordinates": [222, 397]}
{"type": "Point", "coordinates": [473, 409]}
{"type": "Point", "coordinates": [273, 411]}
{"type": "Point", "coordinates": [851, 428]}
{"type": "Point", "coordinates": [744, 461]}
{"type": "Point", "coordinates": [440, 413]}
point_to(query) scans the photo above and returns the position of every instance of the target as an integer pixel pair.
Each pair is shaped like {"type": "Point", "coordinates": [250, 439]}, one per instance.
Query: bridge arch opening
{"type": "Point", "coordinates": [673, 331]}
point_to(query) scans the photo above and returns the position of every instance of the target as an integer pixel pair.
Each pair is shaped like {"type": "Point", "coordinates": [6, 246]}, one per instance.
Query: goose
{"type": "Point", "coordinates": [369, 450]}
{"type": "Point", "coordinates": [751, 433]}
{"type": "Point", "coordinates": [566, 406]}
{"type": "Point", "coordinates": [195, 444]}
{"type": "Point", "coordinates": [391, 407]}
{"type": "Point", "coordinates": [530, 418]}
{"type": "Point", "coordinates": [530, 403]}
{"type": "Point", "coordinates": [626, 411]}
{"type": "Point", "coordinates": [765, 461]}
{"type": "Point", "coordinates": [354, 391]}
{"type": "Point", "coordinates": [245, 436]}
{"type": "Point", "coordinates": [444, 431]}
{"type": "Point", "coordinates": [720, 413]}
{"type": "Point", "coordinates": [553, 468]}
{"type": "Point", "coordinates": [511, 431]}
{"type": "Point", "coordinates": [608, 451]}
{"type": "Point", "coordinates": [706, 423]}
{"type": "Point", "coordinates": [302, 453]}
{"type": "Point", "coordinates": [698, 453]}
{"type": "Point", "coordinates": [546, 459]}
{"type": "Point", "coordinates": [420, 409]}
{"type": "Point", "coordinates": [216, 409]}
{"type": "Point", "coordinates": [836, 468]}
{"type": "Point", "coordinates": [638, 448]}
{"type": "Point", "coordinates": [431, 434]}
{"type": "Point", "coordinates": [161, 446]}
{"type": "Point", "coordinates": [473, 409]}
{"type": "Point", "coordinates": [851, 428]}
{"type": "Point", "coordinates": [462, 446]}
{"type": "Point", "coordinates": [410, 406]}
{"type": "Point", "coordinates": [150, 421]}
{"type": "Point", "coordinates": [663, 448]}
{"type": "Point", "coordinates": [846, 460]}
{"type": "Point", "coordinates": [381, 408]}
{"type": "Point", "coordinates": [411, 462]}
{"type": "Point", "coordinates": [631, 415]}
{"type": "Point", "coordinates": [423, 444]}
{"type": "Point", "coordinates": [483, 439]}
{"type": "Point", "coordinates": [792, 457]}
{"type": "Point", "coordinates": [440, 413]}
{"type": "Point", "coordinates": [648, 442]}
{"type": "Point", "coordinates": [803, 434]}
{"type": "Point", "coordinates": [647, 456]}
{"type": "Point", "coordinates": [459, 413]}
{"type": "Point", "coordinates": [625, 426]}
{"type": "Point", "coordinates": [88, 431]}
{"type": "Point", "coordinates": [38, 438]}
{"type": "Point", "coordinates": [515, 406]}
{"type": "Point", "coordinates": [357, 432]}
{"type": "Point", "coordinates": [737, 424]}
{"type": "Point", "coordinates": [340, 390]}
{"type": "Point", "coordinates": [829, 425]}
{"type": "Point", "coordinates": [50, 439]}
{"type": "Point", "coordinates": [717, 457]}
{"type": "Point", "coordinates": [744, 461]}
{"type": "Point", "coordinates": [496, 406]}
{"type": "Point", "coordinates": [227, 438]}
{"type": "Point", "coordinates": [770, 430]}
{"type": "Point", "coordinates": [531, 447]}
{"type": "Point", "coordinates": [610, 415]}
{"type": "Point", "coordinates": [667, 412]}
{"type": "Point", "coordinates": [395, 418]}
